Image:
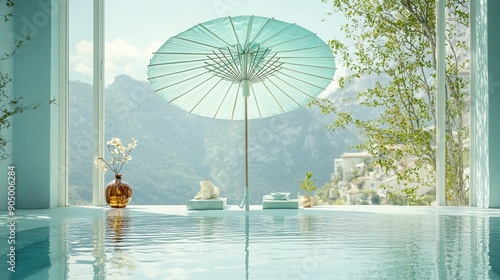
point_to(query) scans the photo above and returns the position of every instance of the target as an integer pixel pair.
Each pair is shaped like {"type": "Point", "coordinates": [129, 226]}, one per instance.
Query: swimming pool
{"type": "Point", "coordinates": [167, 242]}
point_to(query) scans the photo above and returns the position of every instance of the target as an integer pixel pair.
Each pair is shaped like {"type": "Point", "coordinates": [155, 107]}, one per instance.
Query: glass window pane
{"type": "Point", "coordinates": [80, 102]}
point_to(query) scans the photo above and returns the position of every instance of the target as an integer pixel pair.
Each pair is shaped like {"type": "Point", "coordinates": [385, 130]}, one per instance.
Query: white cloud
{"type": "Point", "coordinates": [81, 61]}
{"type": "Point", "coordinates": [121, 57]}
{"type": "Point", "coordinates": [124, 58]}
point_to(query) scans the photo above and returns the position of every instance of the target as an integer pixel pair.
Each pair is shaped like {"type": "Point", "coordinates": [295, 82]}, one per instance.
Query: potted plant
{"type": "Point", "coordinates": [308, 185]}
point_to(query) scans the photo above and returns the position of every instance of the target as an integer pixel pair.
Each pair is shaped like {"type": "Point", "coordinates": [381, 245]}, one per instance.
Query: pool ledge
{"type": "Point", "coordinates": [182, 210]}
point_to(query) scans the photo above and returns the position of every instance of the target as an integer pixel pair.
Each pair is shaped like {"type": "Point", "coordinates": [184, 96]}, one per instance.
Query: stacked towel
{"type": "Point", "coordinates": [207, 204]}
{"type": "Point", "coordinates": [268, 202]}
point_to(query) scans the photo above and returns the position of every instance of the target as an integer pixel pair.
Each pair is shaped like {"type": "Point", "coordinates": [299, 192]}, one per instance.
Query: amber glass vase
{"type": "Point", "coordinates": [118, 192]}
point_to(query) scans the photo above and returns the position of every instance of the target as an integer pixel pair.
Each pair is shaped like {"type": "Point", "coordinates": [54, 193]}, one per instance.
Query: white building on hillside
{"type": "Point", "coordinates": [352, 161]}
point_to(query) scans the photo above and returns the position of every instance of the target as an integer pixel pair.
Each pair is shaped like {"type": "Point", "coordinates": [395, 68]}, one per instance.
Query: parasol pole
{"type": "Point", "coordinates": [247, 203]}
{"type": "Point", "coordinates": [245, 197]}
{"type": "Point", "coordinates": [245, 84]}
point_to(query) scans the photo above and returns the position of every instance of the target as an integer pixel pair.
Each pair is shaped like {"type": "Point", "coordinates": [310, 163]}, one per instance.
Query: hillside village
{"type": "Point", "coordinates": [356, 180]}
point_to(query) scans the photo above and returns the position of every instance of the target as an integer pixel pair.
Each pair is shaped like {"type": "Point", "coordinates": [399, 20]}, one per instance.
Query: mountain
{"type": "Point", "coordinates": [177, 149]}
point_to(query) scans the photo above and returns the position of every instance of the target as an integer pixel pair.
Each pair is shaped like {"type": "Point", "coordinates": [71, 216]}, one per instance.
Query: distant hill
{"type": "Point", "coordinates": [177, 149]}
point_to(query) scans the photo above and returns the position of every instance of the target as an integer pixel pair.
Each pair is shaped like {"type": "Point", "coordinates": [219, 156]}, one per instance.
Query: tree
{"type": "Point", "coordinates": [324, 192]}
{"type": "Point", "coordinates": [9, 106]}
{"type": "Point", "coordinates": [394, 43]}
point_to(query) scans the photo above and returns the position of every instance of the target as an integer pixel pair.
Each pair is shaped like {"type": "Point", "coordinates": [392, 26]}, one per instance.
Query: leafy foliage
{"type": "Point", "coordinates": [308, 184]}
{"type": "Point", "coordinates": [9, 4]}
{"type": "Point", "coordinates": [9, 106]}
{"type": "Point", "coordinates": [395, 40]}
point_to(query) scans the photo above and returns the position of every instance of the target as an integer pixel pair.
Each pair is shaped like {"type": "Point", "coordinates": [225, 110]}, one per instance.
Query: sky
{"type": "Point", "coordinates": [136, 29]}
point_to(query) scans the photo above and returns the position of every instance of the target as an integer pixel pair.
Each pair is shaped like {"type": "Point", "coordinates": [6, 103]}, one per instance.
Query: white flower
{"type": "Point", "coordinates": [100, 164]}
{"type": "Point", "coordinates": [114, 141]}
{"type": "Point", "coordinates": [119, 155]}
{"type": "Point", "coordinates": [132, 144]}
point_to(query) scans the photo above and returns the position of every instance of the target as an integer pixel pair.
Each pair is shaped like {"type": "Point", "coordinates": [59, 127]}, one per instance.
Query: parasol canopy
{"type": "Point", "coordinates": [242, 68]}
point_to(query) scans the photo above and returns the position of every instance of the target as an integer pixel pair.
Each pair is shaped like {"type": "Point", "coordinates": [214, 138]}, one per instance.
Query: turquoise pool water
{"type": "Point", "coordinates": [322, 243]}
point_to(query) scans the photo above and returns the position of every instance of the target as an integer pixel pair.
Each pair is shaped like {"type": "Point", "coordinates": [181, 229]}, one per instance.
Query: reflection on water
{"type": "Point", "coordinates": [209, 226]}
{"type": "Point", "coordinates": [308, 224]}
{"type": "Point", "coordinates": [247, 244]}
{"type": "Point", "coordinates": [458, 237]}
{"type": "Point", "coordinates": [122, 259]}
{"type": "Point", "coordinates": [99, 248]}
{"type": "Point", "coordinates": [123, 244]}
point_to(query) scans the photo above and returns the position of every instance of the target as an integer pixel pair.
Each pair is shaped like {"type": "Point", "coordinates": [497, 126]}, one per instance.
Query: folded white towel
{"type": "Point", "coordinates": [207, 190]}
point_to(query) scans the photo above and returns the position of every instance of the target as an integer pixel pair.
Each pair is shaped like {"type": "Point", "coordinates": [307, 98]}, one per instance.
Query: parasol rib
{"type": "Point", "coordinates": [177, 62]}
{"type": "Point", "coordinates": [293, 39]}
{"type": "Point", "coordinates": [299, 50]}
{"type": "Point", "coordinates": [290, 97]}
{"type": "Point", "coordinates": [308, 65]}
{"type": "Point", "coordinates": [260, 31]}
{"type": "Point", "coordinates": [253, 64]}
{"type": "Point", "coordinates": [304, 73]}
{"type": "Point", "coordinates": [249, 29]}
{"type": "Point", "coordinates": [196, 42]}
{"type": "Point", "coordinates": [301, 80]}
{"type": "Point", "coordinates": [273, 96]}
{"type": "Point", "coordinates": [234, 31]}
{"type": "Point", "coordinates": [173, 73]}
{"type": "Point", "coordinates": [256, 103]}
{"type": "Point", "coordinates": [224, 42]}
{"type": "Point", "coordinates": [274, 34]}
{"type": "Point", "coordinates": [219, 71]}
{"type": "Point", "coordinates": [191, 89]}
{"type": "Point", "coordinates": [181, 53]}
{"type": "Point", "coordinates": [223, 99]}
{"type": "Point", "coordinates": [235, 61]}
{"type": "Point", "coordinates": [204, 96]}
{"type": "Point", "coordinates": [235, 101]}
{"type": "Point", "coordinates": [273, 67]}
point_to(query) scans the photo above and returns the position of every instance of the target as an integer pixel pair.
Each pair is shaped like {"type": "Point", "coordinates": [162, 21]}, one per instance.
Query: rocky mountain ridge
{"type": "Point", "coordinates": [177, 149]}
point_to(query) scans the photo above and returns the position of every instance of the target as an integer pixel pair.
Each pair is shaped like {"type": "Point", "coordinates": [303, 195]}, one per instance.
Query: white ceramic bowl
{"type": "Point", "coordinates": [280, 195]}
